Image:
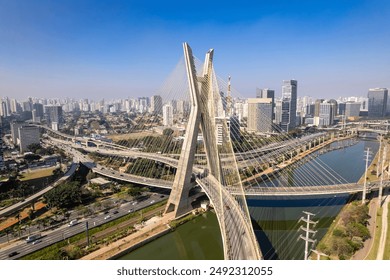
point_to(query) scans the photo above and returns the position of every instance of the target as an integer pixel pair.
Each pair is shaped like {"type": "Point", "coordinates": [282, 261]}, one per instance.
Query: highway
{"type": "Point", "coordinates": [29, 200]}
{"type": "Point", "coordinates": [63, 232]}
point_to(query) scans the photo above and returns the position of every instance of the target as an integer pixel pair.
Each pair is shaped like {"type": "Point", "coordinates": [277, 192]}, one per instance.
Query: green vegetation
{"type": "Point", "coordinates": [150, 168]}
{"type": "Point", "coordinates": [175, 223]}
{"type": "Point", "coordinates": [39, 150]}
{"type": "Point", "coordinates": [349, 234]}
{"type": "Point", "coordinates": [375, 245]}
{"type": "Point", "coordinates": [65, 195]}
{"type": "Point", "coordinates": [386, 255]}
{"type": "Point", "coordinates": [163, 143]}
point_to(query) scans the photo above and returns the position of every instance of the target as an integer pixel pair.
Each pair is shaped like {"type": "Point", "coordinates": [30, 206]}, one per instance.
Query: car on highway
{"type": "Point", "coordinates": [36, 241]}
{"type": "Point", "coordinates": [130, 210]}
{"type": "Point", "coordinates": [72, 223]}
{"type": "Point", "coordinates": [12, 254]}
{"type": "Point", "coordinates": [107, 217]}
{"type": "Point", "coordinates": [152, 201]}
{"type": "Point", "coordinates": [115, 212]}
{"type": "Point", "coordinates": [134, 203]}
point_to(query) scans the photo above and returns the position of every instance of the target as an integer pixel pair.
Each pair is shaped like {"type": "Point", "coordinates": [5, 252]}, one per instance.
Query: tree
{"type": "Point", "coordinates": [135, 192]}
{"type": "Point", "coordinates": [64, 196]}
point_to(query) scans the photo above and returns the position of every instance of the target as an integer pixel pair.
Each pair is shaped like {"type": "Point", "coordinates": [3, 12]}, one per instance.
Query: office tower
{"type": "Point", "coordinates": [341, 108]}
{"type": "Point", "coordinates": [352, 109]}
{"type": "Point", "coordinates": [143, 103]}
{"type": "Point", "coordinates": [167, 115]}
{"type": "Point", "coordinates": [54, 114]}
{"type": "Point", "coordinates": [325, 112]}
{"type": "Point", "coordinates": [28, 135]}
{"type": "Point", "coordinates": [182, 107]}
{"type": "Point", "coordinates": [267, 93]}
{"type": "Point", "coordinates": [15, 131]}
{"type": "Point", "coordinates": [174, 105]}
{"type": "Point", "coordinates": [27, 106]}
{"type": "Point", "coordinates": [289, 105]}
{"type": "Point", "coordinates": [260, 115]}
{"type": "Point", "coordinates": [38, 110]}
{"type": "Point", "coordinates": [234, 128]}
{"type": "Point", "coordinates": [156, 104]}
{"type": "Point", "coordinates": [7, 106]}
{"type": "Point", "coordinates": [377, 102]}
{"type": "Point", "coordinates": [14, 106]}
{"type": "Point", "coordinates": [278, 111]}
{"type": "Point", "coordinates": [310, 109]}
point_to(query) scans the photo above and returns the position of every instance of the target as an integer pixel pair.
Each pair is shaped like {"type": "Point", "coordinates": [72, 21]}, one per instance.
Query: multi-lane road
{"type": "Point", "coordinates": [22, 248]}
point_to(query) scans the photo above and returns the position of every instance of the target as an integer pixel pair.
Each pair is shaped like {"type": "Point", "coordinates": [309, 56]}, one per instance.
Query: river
{"type": "Point", "coordinates": [276, 221]}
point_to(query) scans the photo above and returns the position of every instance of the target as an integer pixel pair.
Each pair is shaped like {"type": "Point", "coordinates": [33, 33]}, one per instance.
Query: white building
{"type": "Point", "coordinates": [167, 115]}
{"type": "Point", "coordinates": [260, 114]}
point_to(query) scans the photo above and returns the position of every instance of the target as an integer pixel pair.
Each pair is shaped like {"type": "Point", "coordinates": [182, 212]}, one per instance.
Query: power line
{"type": "Point", "coordinates": [307, 231]}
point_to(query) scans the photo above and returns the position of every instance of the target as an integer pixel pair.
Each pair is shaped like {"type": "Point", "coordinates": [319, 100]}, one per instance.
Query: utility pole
{"type": "Point", "coordinates": [382, 174]}
{"type": "Point", "coordinates": [86, 229]}
{"type": "Point", "coordinates": [365, 178]}
{"type": "Point", "coordinates": [308, 231]}
{"type": "Point", "coordinates": [379, 157]}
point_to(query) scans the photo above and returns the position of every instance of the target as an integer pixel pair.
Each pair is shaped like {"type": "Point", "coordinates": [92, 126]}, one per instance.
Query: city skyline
{"type": "Point", "coordinates": [98, 49]}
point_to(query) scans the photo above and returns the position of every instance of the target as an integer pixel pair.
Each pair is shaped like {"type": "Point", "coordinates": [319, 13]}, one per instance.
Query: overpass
{"type": "Point", "coordinates": [31, 199]}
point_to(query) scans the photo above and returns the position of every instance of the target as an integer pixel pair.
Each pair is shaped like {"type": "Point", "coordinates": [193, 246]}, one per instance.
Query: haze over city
{"type": "Point", "coordinates": [95, 49]}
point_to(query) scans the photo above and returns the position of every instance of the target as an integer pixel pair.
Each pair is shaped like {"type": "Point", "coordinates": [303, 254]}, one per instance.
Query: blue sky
{"type": "Point", "coordinates": [96, 49]}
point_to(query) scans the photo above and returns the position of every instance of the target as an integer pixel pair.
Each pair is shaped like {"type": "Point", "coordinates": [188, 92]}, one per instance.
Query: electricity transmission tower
{"type": "Point", "coordinates": [307, 231]}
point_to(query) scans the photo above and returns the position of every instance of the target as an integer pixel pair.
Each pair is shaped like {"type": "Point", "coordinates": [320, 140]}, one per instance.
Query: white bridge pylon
{"type": "Point", "coordinates": [239, 240]}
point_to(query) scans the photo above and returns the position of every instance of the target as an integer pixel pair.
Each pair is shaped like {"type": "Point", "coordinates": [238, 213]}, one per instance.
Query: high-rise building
{"type": "Point", "coordinates": [156, 104]}
{"type": "Point", "coordinates": [260, 114]}
{"type": "Point", "coordinates": [267, 93]}
{"type": "Point", "coordinates": [289, 105]}
{"type": "Point", "coordinates": [377, 102]}
{"type": "Point", "coordinates": [54, 114]}
{"type": "Point", "coordinates": [15, 131]}
{"type": "Point", "coordinates": [352, 109]}
{"type": "Point", "coordinates": [182, 107]}
{"type": "Point", "coordinates": [325, 112]}
{"type": "Point", "coordinates": [341, 108]}
{"type": "Point", "coordinates": [38, 110]}
{"type": "Point", "coordinates": [167, 115]}
{"type": "Point", "coordinates": [227, 129]}
{"type": "Point", "coordinates": [28, 135]}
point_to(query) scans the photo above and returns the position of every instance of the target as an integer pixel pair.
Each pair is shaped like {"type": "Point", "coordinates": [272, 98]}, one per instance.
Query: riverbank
{"type": "Point", "coordinates": [146, 232]}
{"type": "Point", "coordinates": [372, 223]}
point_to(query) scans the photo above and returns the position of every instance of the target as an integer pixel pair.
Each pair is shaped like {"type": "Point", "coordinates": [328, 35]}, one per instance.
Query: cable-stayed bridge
{"type": "Point", "coordinates": [217, 162]}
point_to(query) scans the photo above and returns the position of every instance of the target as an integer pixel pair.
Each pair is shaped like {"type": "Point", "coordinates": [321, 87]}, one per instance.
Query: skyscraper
{"type": "Point", "coordinates": [54, 115]}
{"type": "Point", "coordinates": [156, 104]}
{"type": "Point", "coordinates": [377, 102]}
{"type": "Point", "coordinates": [28, 135]}
{"type": "Point", "coordinates": [289, 105]}
{"type": "Point", "coordinates": [267, 93]}
{"type": "Point", "coordinates": [260, 114]}
{"type": "Point", "coordinates": [167, 115]}
{"type": "Point", "coordinates": [38, 110]}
